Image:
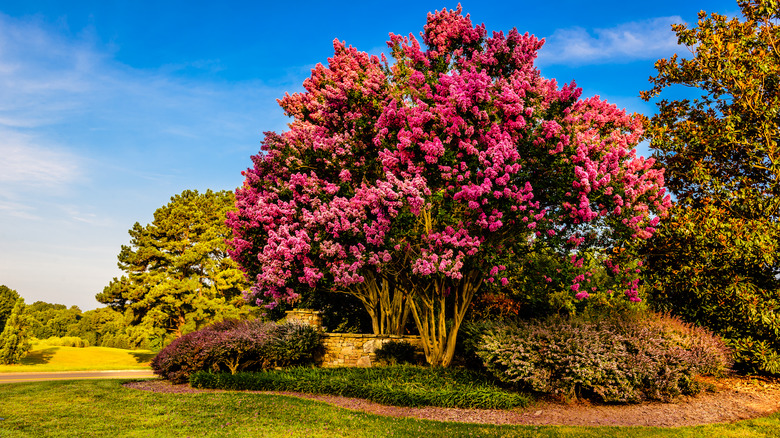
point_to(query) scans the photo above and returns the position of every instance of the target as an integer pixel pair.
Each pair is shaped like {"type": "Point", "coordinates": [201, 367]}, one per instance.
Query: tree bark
{"type": "Point", "coordinates": [429, 309]}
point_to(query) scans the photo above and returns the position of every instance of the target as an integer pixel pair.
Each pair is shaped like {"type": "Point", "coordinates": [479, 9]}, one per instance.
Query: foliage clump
{"type": "Point", "coordinates": [396, 352]}
{"type": "Point", "coordinates": [716, 261]}
{"type": "Point", "coordinates": [234, 345]}
{"type": "Point", "coordinates": [401, 385]}
{"type": "Point", "coordinates": [620, 357]}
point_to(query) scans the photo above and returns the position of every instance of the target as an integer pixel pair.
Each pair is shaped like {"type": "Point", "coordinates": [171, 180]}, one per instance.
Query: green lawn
{"type": "Point", "coordinates": [102, 408]}
{"type": "Point", "coordinates": [44, 358]}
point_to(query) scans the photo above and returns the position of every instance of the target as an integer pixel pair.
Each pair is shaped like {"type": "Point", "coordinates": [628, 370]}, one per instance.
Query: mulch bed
{"type": "Point", "coordinates": [734, 399]}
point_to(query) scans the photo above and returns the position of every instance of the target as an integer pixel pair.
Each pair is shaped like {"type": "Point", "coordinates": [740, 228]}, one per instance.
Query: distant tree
{"type": "Point", "coordinates": [14, 343]}
{"type": "Point", "coordinates": [103, 327]}
{"type": "Point", "coordinates": [411, 185]}
{"type": "Point", "coordinates": [8, 299]}
{"type": "Point", "coordinates": [178, 276]}
{"type": "Point", "coordinates": [716, 261]}
{"type": "Point", "coordinates": [47, 319]}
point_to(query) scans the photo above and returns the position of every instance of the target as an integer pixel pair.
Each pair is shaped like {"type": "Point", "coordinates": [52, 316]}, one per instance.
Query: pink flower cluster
{"type": "Point", "coordinates": [437, 164]}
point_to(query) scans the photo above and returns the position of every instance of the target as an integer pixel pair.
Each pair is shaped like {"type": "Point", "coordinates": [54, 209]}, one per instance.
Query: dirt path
{"type": "Point", "coordinates": [735, 398]}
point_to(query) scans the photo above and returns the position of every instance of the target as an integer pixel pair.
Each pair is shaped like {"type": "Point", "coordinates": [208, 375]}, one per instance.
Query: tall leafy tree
{"type": "Point", "coordinates": [178, 275]}
{"type": "Point", "coordinates": [411, 185]}
{"type": "Point", "coordinates": [8, 299]}
{"type": "Point", "coordinates": [47, 320]}
{"type": "Point", "coordinates": [103, 327]}
{"type": "Point", "coordinates": [14, 339]}
{"type": "Point", "coordinates": [717, 260]}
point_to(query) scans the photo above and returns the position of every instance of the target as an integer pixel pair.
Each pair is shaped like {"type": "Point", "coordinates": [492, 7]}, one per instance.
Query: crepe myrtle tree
{"type": "Point", "coordinates": [410, 184]}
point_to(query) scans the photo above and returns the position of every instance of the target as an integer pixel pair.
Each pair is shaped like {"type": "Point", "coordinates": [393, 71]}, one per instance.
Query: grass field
{"type": "Point", "coordinates": [98, 408]}
{"type": "Point", "coordinates": [45, 358]}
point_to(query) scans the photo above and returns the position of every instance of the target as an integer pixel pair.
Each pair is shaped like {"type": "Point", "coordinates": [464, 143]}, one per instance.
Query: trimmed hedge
{"type": "Point", "coordinates": [64, 341]}
{"type": "Point", "coordinates": [401, 385]}
{"type": "Point", "coordinates": [235, 345]}
{"type": "Point", "coordinates": [626, 357]}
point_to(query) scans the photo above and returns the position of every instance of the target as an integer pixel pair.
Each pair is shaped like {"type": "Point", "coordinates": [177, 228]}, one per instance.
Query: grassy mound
{"type": "Point", "coordinates": [45, 358]}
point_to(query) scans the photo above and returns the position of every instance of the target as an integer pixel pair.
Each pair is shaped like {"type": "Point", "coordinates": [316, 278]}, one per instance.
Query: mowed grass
{"type": "Point", "coordinates": [45, 358]}
{"type": "Point", "coordinates": [100, 408]}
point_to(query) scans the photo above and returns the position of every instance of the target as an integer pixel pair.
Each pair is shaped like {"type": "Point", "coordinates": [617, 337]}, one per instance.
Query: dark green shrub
{"type": "Point", "coordinates": [619, 357]}
{"type": "Point", "coordinates": [396, 352]}
{"type": "Point", "coordinates": [293, 344]}
{"type": "Point", "coordinates": [402, 385]}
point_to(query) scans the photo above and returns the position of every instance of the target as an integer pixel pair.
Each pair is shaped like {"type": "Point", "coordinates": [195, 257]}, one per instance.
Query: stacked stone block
{"type": "Point", "coordinates": [348, 349]}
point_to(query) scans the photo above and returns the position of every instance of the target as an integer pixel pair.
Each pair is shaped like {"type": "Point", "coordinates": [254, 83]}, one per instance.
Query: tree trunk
{"type": "Point", "coordinates": [429, 308]}
{"type": "Point", "coordinates": [386, 303]}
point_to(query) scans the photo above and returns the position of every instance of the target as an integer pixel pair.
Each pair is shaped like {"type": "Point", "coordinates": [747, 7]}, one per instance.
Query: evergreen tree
{"type": "Point", "coordinates": [178, 275]}
{"type": "Point", "coordinates": [8, 298]}
{"type": "Point", "coordinates": [14, 342]}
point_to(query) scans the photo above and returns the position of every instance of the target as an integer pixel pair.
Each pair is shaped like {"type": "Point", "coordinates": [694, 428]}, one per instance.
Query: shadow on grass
{"type": "Point", "coordinates": [143, 357]}
{"type": "Point", "coordinates": [39, 357]}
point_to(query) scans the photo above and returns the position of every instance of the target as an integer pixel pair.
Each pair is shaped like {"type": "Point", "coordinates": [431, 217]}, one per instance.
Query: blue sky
{"type": "Point", "coordinates": [107, 109]}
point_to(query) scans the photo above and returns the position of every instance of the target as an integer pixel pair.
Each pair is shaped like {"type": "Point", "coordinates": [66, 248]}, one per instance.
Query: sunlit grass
{"type": "Point", "coordinates": [100, 408]}
{"type": "Point", "coordinates": [44, 358]}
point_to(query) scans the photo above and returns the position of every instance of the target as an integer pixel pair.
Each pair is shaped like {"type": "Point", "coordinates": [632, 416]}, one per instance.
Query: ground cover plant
{"type": "Point", "coordinates": [234, 345]}
{"type": "Point", "coordinates": [105, 408]}
{"type": "Point", "coordinates": [618, 357]}
{"type": "Point", "coordinates": [391, 385]}
{"type": "Point", "coordinates": [411, 184]}
{"type": "Point", "coordinates": [45, 358]}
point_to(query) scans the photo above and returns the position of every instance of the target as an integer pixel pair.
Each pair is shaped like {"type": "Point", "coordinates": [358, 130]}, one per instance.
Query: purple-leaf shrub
{"type": "Point", "coordinates": [236, 345]}
{"type": "Point", "coordinates": [410, 184]}
{"type": "Point", "coordinates": [184, 356]}
{"type": "Point", "coordinates": [614, 358]}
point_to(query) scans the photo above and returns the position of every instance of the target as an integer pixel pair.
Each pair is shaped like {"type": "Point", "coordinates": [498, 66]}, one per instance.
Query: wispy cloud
{"type": "Point", "coordinates": [27, 163]}
{"type": "Point", "coordinates": [69, 108]}
{"type": "Point", "coordinates": [637, 40]}
{"type": "Point", "coordinates": [17, 211]}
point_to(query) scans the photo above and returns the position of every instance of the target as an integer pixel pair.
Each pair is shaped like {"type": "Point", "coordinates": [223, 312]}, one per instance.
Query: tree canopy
{"type": "Point", "coordinates": [717, 260]}
{"type": "Point", "coordinates": [411, 184]}
{"type": "Point", "coordinates": [178, 276]}
{"type": "Point", "coordinates": [47, 320]}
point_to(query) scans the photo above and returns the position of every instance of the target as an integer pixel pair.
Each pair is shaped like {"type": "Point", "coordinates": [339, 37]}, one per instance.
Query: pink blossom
{"type": "Point", "coordinates": [437, 162]}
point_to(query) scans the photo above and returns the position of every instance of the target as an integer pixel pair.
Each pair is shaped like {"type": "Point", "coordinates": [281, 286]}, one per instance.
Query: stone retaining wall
{"type": "Point", "coordinates": [357, 350]}
{"type": "Point", "coordinates": [348, 349]}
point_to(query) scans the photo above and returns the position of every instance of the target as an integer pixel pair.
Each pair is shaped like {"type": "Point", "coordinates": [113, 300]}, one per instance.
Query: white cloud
{"type": "Point", "coordinates": [648, 39]}
{"type": "Point", "coordinates": [25, 163]}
